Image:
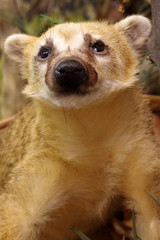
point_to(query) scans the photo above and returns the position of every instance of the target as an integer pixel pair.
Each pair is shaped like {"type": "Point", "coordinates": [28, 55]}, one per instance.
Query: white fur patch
{"type": "Point", "coordinates": [100, 91]}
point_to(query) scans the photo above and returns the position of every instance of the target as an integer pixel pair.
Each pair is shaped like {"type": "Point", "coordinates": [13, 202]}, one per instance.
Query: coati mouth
{"type": "Point", "coordinates": [72, 77]}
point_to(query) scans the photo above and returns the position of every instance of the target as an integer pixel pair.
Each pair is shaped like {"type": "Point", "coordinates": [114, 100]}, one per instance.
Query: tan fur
{"type": "Point", "coordinates": [67, 158]}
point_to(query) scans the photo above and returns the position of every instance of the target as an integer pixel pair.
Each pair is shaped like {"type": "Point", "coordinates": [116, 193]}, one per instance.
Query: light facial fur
{"type": "Point", "coordinates": [114, 69]}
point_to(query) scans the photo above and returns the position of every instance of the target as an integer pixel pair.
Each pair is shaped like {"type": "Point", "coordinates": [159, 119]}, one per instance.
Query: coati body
{"type": "Point", "coordinates": [86, 138]}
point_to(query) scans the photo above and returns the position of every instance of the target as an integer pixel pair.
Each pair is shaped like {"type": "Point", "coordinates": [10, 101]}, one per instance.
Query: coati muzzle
{"type": "Point", "coordinates": [70, 75]}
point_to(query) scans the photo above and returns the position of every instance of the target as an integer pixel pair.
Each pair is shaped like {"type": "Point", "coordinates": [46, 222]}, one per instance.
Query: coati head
{"type": "Point", "coordinates": [76, 64]}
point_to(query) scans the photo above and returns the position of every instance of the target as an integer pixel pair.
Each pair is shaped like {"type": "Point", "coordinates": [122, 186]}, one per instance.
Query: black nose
{"type": "Point", "coordinates": [69, 75]}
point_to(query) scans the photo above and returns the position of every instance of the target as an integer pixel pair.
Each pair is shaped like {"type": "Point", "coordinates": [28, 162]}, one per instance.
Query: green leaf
{"type": "Point", "coordinates": [50, 19]}
{"type": "Point", "coordinates": [80, 234]}
{"type": "Point", "coordinates": [144, 54]}
{"type": "Point", "coordinates": [153, 198]}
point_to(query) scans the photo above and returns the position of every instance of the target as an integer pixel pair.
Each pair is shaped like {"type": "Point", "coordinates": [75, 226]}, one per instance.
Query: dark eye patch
{"type": "Point", "coordinates": [44, 53]}
{"type": "Point", "coordinates": [98, 47]}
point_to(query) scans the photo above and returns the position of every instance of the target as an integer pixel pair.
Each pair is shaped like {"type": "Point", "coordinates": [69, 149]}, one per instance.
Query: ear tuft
{"type": "Point", "coordinates": [15, 44]}
{"type": "Point", "coordinates": [136, 29]}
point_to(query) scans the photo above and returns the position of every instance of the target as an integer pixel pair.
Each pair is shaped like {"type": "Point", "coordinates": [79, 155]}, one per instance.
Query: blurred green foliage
{"type": "Point", "coordinates": [37, 26]}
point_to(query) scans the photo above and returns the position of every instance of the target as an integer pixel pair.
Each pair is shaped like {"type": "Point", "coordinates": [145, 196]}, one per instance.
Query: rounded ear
{"type": "Point", "coordinates": [16, 44]}
{"type": "Point", "coordinates": [136, 29]}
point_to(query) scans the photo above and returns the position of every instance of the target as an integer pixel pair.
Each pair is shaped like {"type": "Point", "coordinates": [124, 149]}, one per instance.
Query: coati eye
{"type": "Point", "coordinates": [44, 52]}
{"type": "Point", "coordinates": [98, 47]}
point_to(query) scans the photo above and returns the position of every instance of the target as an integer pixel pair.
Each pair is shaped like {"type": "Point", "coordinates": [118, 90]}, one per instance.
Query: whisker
{"type": "Point", "coordinates": [101, 84]}
{"type": "Point", "coordinates": [81, 123]}
{"type": "Point", "coordinates": [66, 121]}
{"type": "Point", "coordinates": [33, 93]}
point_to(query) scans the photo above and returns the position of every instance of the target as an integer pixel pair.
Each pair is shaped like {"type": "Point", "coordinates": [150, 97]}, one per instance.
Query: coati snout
{"type": "Point", "coordinates": [70, 75]}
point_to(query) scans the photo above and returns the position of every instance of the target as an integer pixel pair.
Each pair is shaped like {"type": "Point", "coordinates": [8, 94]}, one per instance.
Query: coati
{"type": "Point", "coordinates": [85, 139]}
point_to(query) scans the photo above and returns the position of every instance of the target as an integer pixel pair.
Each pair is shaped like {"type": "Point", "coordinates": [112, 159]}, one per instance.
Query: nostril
{"type": "Point", "coordinates": [70, 68]}
{"type": "Point", "coordinates": [62, 70]}
{"type": "Point", "coordinates": [78, 70]}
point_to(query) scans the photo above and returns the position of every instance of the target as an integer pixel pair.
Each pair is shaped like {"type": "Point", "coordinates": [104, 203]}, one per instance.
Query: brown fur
{"type": "Point", "coordinates": [67, 159]}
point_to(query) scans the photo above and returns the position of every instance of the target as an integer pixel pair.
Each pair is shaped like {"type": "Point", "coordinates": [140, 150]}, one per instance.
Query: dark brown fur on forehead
{"type": "Point", "coordinates": [49, 42]}
{"type": "Point", "coordinates": [85, 48]}
{"type": "Point", "coordinates": [87, 38]}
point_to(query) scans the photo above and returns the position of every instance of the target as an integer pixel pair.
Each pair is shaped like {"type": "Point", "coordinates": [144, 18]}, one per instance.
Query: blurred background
{"type": "Point", "coordinates": [36, 16]}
